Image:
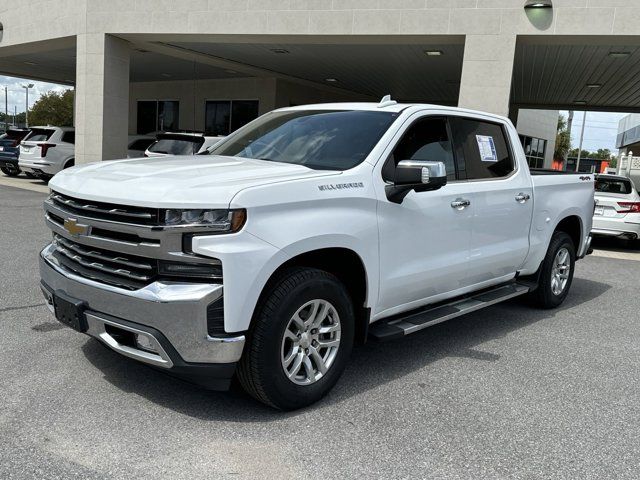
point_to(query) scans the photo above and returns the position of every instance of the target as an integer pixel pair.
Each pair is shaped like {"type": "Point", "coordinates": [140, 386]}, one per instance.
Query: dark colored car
{"type": "Point", "coordinates": [10, 150]}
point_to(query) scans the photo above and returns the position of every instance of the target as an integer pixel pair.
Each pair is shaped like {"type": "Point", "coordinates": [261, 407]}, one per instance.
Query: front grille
{"type": "Point", "coordinates": [126, 271]}
{"type": "Point", "coordinates": [106, 211]}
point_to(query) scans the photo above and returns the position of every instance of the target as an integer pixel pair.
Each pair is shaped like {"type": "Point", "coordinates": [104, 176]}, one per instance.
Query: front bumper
{"type": "Point", "coordinates": [171, 316]}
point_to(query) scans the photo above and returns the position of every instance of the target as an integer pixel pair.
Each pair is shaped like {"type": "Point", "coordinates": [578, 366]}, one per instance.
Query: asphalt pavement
{"type": "Point", "coordinates": [506, 392]}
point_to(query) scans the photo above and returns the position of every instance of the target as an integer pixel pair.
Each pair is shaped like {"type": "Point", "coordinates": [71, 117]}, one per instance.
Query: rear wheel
{"type": "Point", "coordinates": [300, 341]}
{"type": "Point", "coordinates": [10, 171]}
{"type": "Point", "coordinates": [556, 272]}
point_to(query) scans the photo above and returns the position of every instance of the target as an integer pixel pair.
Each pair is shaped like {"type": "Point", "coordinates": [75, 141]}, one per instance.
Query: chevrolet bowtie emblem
{"type": "Point", "coordinates": [72, 226]}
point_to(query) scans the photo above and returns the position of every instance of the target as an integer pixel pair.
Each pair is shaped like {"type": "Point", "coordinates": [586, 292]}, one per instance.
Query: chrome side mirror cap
{"type": "Point", "coordinates": [418, 175]}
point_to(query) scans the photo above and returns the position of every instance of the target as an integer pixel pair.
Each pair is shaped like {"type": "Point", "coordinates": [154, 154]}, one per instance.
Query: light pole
{"type": "Point", "coordinates": [26, 112]}
{"type": "Point", "coordinates": [6, 109]}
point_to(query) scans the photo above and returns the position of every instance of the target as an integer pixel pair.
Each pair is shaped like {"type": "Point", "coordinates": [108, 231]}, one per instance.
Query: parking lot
{"type": "Point", "coordinates": [505, 392]}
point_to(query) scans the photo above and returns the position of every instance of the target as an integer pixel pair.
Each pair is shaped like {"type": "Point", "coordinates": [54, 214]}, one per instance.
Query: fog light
{"type": "Point", "coordinates": [143, 342]}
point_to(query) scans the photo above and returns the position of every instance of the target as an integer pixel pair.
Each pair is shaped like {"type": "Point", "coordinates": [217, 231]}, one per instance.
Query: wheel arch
{"type": "Point", "coordinates": [342, 262]}
{"type": "Point", "coordinates": [572, 226]}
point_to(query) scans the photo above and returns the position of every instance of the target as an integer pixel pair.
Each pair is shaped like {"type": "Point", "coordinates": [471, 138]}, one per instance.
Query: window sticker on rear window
{"type": "Point", "coordinates": [487, 148]}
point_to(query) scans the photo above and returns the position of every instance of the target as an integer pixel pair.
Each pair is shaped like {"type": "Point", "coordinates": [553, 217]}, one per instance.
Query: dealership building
{"type": "Point", "coordinates": [146, 65]}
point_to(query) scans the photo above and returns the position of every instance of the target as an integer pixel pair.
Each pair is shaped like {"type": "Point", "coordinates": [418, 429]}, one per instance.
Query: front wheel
{"type": "Point", "coordinates": [300, 341]}
{"type": "Point", "coordinates": [10, 171]}
{"type": "Point", "coordinates": [556, 272]}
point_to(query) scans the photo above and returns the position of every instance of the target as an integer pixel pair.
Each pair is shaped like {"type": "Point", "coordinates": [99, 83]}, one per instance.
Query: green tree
{"type": "Point", "coordinates": [53, 108]}
{"type": "Point", "coordinates": [601, 154]}
{"type": "Point", "coordinates": [563, 140]}
{"type": "Point", "coordinates": [573, 153]}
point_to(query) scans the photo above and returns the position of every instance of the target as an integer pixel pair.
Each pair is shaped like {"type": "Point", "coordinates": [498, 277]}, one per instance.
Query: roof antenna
{"type": "Point", "coordinates": [386, 101]}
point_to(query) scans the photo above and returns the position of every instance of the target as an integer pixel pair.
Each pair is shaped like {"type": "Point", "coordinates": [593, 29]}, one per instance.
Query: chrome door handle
{"type": "Point", "coordinates": [522, 197]}
{"type": "Point", "coordinates": [460, 203]}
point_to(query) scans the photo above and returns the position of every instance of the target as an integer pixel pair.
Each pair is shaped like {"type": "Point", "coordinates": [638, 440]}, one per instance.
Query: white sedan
{"type": "Point", "coordinates": [617, 211]}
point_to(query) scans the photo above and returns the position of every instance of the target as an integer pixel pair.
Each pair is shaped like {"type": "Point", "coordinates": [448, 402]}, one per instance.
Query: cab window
{"type": "Point", "coordinates": [426, 139]}
{"type": "Point", "coordinates": [482, 149]}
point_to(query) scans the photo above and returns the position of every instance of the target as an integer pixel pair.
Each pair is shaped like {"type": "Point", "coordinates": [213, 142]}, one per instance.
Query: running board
{"type": "Point", "coordinates": [394, 328]}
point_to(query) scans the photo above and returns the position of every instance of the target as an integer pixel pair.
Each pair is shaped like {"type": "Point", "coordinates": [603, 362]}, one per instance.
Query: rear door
{"type": "Point", "coordinates": [502, 197]}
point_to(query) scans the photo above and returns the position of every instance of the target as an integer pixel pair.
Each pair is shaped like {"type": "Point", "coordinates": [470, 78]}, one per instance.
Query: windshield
{"type": "Point", "coordinates": [173, 146]}
{"type": "Point", "coordinates": [323, 140]}
{"type": "Point", "coordinates": [613, 185]}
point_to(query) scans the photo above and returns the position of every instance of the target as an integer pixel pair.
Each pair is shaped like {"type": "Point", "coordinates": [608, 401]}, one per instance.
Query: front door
{"type": "Point", "coordinates": [424, 241]}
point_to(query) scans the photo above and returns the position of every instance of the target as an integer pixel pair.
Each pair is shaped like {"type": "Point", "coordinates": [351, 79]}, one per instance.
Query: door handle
{"type": "Point", "coordinates": [460, 203]}
{"type": "Point", "coordinates": [522, 197]}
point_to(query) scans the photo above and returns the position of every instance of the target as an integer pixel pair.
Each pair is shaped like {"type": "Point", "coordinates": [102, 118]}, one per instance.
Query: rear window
{"type": "Point", "coordinates": [39, 135]}
{"type": "Point", "coordinates": [14, 135]}
{"type": "Point", "coordinates": [614, 185]}
{"type": "Point", "coordinates": [141, 144]}
{"type": "Point", "coordinates": [174, 146]}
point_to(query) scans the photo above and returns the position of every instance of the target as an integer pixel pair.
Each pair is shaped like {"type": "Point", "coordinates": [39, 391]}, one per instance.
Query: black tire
{"type": "Point", "coordinates": [544, 296]}
{"type": "Point", "coordinates": [261, 371]}
{"type": "Point", "coordinates": [30, 175]}
{"type": "Point", "coordinates": [10, 172]}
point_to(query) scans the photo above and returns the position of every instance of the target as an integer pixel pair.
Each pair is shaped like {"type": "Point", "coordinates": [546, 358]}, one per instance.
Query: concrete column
{"type": "Point", "coordinates": [486, 73]}
{"type": "Point", "coordinates": [102, 97]}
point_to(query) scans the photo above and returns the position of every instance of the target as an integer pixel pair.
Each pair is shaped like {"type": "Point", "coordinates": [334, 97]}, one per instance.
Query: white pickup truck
{"type": "Point", "coordinates": [308, 230]}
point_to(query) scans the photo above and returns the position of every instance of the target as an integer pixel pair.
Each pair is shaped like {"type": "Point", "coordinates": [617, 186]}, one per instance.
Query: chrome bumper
{"type": "Point", "coordinates": [174, 312]}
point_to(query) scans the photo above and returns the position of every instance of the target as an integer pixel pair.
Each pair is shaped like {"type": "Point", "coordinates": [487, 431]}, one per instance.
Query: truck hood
{"type": "Point", "coordinates": [175, 182]}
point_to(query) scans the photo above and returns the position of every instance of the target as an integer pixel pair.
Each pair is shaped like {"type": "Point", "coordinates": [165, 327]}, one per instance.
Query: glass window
{"type": "Point", "coordinates": [242, 112]}
{"type": "Point", "coordinates": [542, 147]}
{"type": "Point", "coordinates": [158, 115]}
{"type": "Point", "coordinates": [318, 139]}
{"type": "Point", "coordinates": [69, 137]}
{"type": "Point", "coordinates": [427, 139]}
{"type": "Point", "coordinates": [527, 145]}
{"type": "Point", "coordinates": [534, 147]}
{"type": "Point", "coordinates": [141, 144]}
{"type": "Point", "coordinates": [225, 116]}
{"type": "Point", "coordinates": [613, 185]}
{"type": "Point", "coordinates": [217, 118]}
{"type": "Point", "coordinates": [470, 136]}
{"type": "Point", "coordinates": [39, 135]}
{"type": "Point", "coordinates": [147, 116]}
{"type": "Point", "coordinates": [177, 145]}
{"type": "Point", "coordinates": [168, 115]}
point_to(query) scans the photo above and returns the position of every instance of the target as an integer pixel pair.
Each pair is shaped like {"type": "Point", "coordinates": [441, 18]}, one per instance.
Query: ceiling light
{"type": "Point", "coordinates": [580, 102]}
{"type": "Point", "coordinates": [231, 71]}
{"type": "Point", "coordinates": [433, 53]}
{"type": "Point", "coordinates": [331, 80]}
{"type": "Point", "coordinates": [538, 4]}
{"type": "Point", "coordinates": [280, 51]}
{"type": "Point", "coordinates": [30, 63]}
{"type": "Point", "coordinates": [619, 54]}
{"type": "Point", "coordinates": [166, 75]}
{"type": "Point", "coordinates": [594, 85]}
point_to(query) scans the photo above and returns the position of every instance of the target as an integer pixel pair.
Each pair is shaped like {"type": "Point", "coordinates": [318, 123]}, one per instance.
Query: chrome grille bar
{"type": "Point", "coordinates": [115, 212]}
{"type": "Point", "coordinates": [101, 256]}
{"type": "Point", "coordinates": [99, 266]}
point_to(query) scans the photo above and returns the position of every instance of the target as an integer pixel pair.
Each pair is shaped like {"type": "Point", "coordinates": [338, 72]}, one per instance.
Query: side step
{"type": "Point", "coordinates": [397, 327]}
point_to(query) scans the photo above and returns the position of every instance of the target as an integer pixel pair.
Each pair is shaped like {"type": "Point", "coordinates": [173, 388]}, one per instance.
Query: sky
{"type": "Point", "coordinates": [16, 94]}
{"type": "Point", "coordinates": [600, 131]}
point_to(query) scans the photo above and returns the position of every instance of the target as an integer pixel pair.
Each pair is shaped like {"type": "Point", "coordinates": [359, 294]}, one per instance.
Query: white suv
{"type": "Point", "coordinates": [617, 212]}
{"type": "Point", "coordinates": [180, 144]}
{"type": "Point", "coordinates": [47, 150]}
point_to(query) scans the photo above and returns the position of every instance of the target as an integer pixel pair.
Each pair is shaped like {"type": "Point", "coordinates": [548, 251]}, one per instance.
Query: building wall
{"type": "Point", "coordinates": [540, 124]}
{"type": "Point", "coordinates": [271, 93]}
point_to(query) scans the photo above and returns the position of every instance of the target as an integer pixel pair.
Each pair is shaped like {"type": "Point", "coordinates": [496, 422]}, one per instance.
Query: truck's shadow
{"type": "Point", "coordinates": [371, 365]}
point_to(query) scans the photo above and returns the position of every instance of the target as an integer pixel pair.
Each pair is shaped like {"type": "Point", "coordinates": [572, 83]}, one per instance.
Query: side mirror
{"type": "Point", "coordinates": [418, 175]}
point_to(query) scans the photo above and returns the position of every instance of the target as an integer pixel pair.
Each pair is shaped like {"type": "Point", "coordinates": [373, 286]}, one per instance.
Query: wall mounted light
{"type": "Point", "coordinates": [538, 4]}
{"type": "Point", "coordinates": [594, 85]}
{"type": "Point", "coordinates": [619, 54]}
{"type": "Point", "coordinates": [433, 53]}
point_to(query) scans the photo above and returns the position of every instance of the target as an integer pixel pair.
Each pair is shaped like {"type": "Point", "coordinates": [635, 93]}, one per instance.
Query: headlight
{"type": "Point", "coordinates": [227, 221]}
